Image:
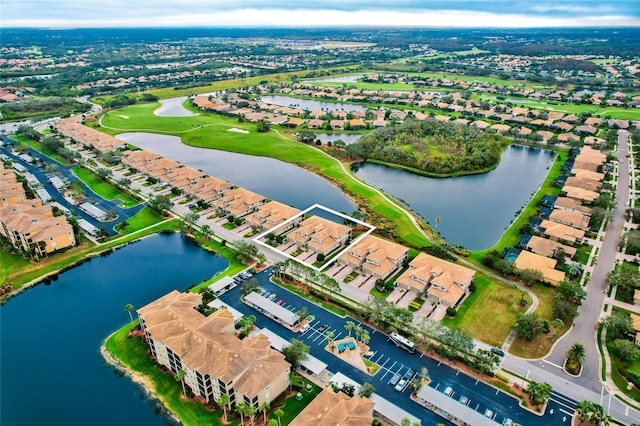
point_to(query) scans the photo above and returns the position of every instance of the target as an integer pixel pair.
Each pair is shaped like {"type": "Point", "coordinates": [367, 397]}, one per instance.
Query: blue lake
{"type": "Point", "coordinates": [52, 371]}
{"type": "Point", "coordinates": [474, 210]}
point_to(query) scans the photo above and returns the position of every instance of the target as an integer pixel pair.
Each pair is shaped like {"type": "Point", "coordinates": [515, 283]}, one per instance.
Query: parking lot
{"type": "Point", "coordinates": [392, 360]}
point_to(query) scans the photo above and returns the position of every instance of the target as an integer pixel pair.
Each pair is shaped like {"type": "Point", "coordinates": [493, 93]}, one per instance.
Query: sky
{"type": "Point", "coordinates": [313, 13]}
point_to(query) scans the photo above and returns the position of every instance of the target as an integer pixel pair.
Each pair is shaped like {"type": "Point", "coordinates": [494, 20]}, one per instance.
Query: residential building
{"type": "Point", "coordinates": [273, 214]}
{"type": "Point", "coordinates": [208, 188]}
{"type": "Point", "coordinates": [138, 159]}
{"type": "Point", "coordinates": [331, 408]}
{"type": "Point", "coordinates": [447, 282]}
{"type": "Point", "coordinates": [31, 226]}
{"type": "Point", "coordinates": [572, 205]}
{"type": "Point", "coordinates": [239, 202]}
{"type": "Point", "coordinates": [320, 235]}
{"type": "Point", "coordinates": [573, 219]}
{"type": "Point", "coordinates": [547, 247]}
{"type": "Point", "coordinates": [580, 194]}
{"type": "Point", "coordinates": [206, 348]}
{"type": "Point", "coordinates": [561, 232]}
{"type": "Point", "coordinates": [545, 265]}
{"type": "Point", "coordinates": [584, 183]}
{"type": "Point", "coordinates": [375, 257]}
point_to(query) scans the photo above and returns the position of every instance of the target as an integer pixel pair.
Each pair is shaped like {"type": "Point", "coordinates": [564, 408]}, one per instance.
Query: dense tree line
{"type": "Point", "coordinates": [431, 146]}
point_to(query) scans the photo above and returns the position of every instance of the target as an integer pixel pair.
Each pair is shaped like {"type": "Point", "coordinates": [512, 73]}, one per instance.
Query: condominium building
{"type": "Point", "coordinates": [206, 348]}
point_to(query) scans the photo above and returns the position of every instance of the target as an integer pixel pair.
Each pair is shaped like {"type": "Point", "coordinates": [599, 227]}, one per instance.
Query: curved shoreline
{"type": "Point", "coordinates": [143, 381]}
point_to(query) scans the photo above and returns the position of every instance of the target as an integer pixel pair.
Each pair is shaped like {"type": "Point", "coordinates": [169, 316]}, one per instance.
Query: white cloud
{"type": "Point", "coordinates": [329, 18]}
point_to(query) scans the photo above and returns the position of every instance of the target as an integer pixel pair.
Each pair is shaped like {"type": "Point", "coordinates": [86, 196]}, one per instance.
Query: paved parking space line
{"type": "Point", "coordinates": [561, 403]}
{"type": "Point", "coordinates": [566, 412]}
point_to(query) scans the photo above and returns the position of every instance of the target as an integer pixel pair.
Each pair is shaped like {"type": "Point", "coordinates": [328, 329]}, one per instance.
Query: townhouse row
{"type": "Point", "coordinates": [27, 224]}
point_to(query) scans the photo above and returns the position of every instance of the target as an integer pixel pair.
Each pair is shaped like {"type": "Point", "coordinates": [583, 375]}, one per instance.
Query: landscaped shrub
{"type": "Point", "coordinates": [451, 312]}
{"type": "Point", "coordinates": [502, 377]}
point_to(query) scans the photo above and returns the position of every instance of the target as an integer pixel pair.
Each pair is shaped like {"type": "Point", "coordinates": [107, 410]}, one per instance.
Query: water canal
{"type": "Point", "coordinates": [51, 335]}
{"type": "Point", "coordinates": [474, 210]}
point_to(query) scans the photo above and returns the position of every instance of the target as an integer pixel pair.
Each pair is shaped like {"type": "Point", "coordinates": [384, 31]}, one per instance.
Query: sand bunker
{"type": "Point", "coordinates": [234, 129]}
{"type": "Point", "coordinates": [126, 117]}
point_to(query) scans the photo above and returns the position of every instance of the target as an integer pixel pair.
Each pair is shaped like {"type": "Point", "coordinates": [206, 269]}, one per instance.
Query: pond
{"type": "Point", "coordinates": [310, 105]}
{"type": "Point", "coordinates": [173, 108]}
{"type": "Point", "coordinates": [53, 373]}
{"type": "Point", "coordinates": [474, 210]}
{"type": "Point", "coordinates": [272, 178]}
{"type": "Point", "coordinates": [347, 138]}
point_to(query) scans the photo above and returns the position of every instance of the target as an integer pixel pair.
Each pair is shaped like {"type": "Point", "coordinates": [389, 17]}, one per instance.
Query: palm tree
{"type": "Point", "coordinates": [241, 408]}
{"type": "Point", "coordinates": [329, 335]}
{"type": "Point", "coordinates": [278, 413]}
{"type": "Point", "coordinates": [405, 422]}
{"type": "Point", "coordinates": [585, 409]}
{"type": "Point", "coordinates": [129, 307]}
{"type": "Point", "coordinates": [206, 231]}
{"type": "Point", "coordinates": [358, 331]}
{"type": "Point", "coordinates": [349, 326]}
{"type": "Point", "coordinates": [251, 412]}
{"type": "Point", "coordinates": [180, 375]}
{"type": "Point", "coordinates": [223, 401]}
{"type": "Point", "coordinates": [365, 337]}
{"type": "Point", "coordinates": [264, 407]}
{"type": "Point", "coordinates": [576, 353]}
{"type": "Point", "coordinates": [575, 269]}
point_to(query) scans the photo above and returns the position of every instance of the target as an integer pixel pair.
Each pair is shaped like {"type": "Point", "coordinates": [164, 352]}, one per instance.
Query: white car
{"type": "Point", "coordinates": [304, 328]}
{"type": "Point", "coordinates": [448, 391]}
{"type": "Point", "coordinates": [401, 385]}
{"type": "Point", "coordinates": [488, 413]}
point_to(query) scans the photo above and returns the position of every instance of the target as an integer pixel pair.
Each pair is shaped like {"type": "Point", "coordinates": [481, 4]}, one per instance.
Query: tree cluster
{"type": "Point", "coordinates": [431, 146]}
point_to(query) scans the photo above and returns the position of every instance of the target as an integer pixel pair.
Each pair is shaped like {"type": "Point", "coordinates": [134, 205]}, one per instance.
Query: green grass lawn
{"type": "Point", "coordinates": [211, 131]}
{"type": "Point", "coordinates": [142, 219]}
{"type": "Point", "coordinates": [38, 147]}
{"type": "Point", "coordinates": [489, 313]}
{"type": "Point", "coordinates": [293, 406]}
{"type": "Point", "coordinates": [102, 188]}
{"type": "Point", "coordinates": [582, 254]}
{"type": "Point", "coordinates": [617, 367]}
{"type": "Point", "coordinates": [540, 345]}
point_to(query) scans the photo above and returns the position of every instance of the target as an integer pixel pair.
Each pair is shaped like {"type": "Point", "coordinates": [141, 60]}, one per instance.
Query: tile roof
{"type": "Point", "coordinates": [335, 409]}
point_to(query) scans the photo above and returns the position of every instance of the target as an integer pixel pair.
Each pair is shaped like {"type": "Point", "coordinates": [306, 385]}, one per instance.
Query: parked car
{"type": "Point", "coordinates": [401, 385]}
{"type": "Point", "coordinates": [280, 302]}
{"type": "Point", "coordinates": [448, 391]}
{"type": "Point", "coordinates": [507, 422]}
{"type": "Point", "coordinates": [394, 380]}
{"type": "Point", "coordinates": [464, 400]}
{"type": "Point", "coordinates": [497, 351]}
{"type": "Point", "coordinates": [323, 328]}
{"type": "Point", "coordinates": [409, 374]}
{"type": "Point", "coordinates": [488, 413]}
{"type": "Point", "coordinates": [272, 296]}
{"type": "Point", "coordinates": [305, 328]}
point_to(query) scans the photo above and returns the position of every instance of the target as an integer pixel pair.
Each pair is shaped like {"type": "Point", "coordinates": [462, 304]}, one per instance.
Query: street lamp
{"type": "Point", "coordinates": [525, 378]}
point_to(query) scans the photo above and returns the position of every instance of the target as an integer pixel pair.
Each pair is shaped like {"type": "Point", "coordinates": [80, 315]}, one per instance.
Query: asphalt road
{"type": "Point", "coordinates": [588, 385]}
